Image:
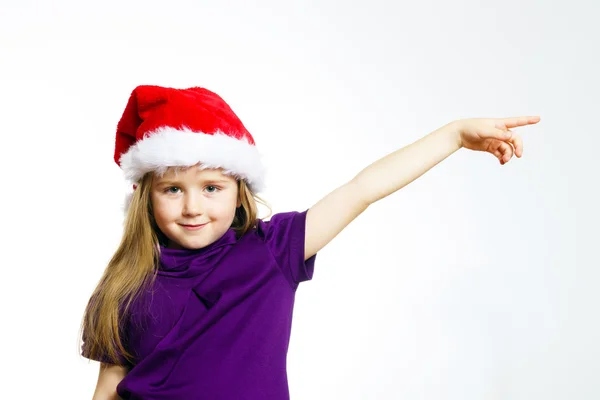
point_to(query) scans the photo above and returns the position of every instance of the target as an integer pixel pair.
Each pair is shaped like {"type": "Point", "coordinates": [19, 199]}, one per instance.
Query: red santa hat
{"type": "Point", "coordinates": [165, 127]}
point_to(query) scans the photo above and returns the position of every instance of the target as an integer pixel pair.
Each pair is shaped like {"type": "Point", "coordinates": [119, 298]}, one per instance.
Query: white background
{"type": "Point", "coordinates": [477, 281]}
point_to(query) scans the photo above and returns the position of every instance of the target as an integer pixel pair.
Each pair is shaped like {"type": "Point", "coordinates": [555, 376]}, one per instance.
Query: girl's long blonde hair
{"type": "Point", "coordinates": [133, 268]}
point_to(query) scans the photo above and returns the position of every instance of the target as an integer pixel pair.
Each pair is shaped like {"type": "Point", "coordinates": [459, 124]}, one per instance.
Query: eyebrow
{"type": "Point", "coordinates": [204, 181]}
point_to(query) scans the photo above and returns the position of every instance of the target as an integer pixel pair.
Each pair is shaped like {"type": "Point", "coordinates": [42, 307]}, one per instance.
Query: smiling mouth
{"type": "Point", "coordinates": [193, 227]}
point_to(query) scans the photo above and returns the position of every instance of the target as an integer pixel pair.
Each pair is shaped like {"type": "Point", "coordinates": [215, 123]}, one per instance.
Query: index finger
{"type": "Point", "coordinates": [516, 121]}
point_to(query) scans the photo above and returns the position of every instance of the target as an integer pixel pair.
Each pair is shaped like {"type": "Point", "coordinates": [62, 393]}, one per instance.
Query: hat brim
{"type": "Point", "coordinates": [169, 147]}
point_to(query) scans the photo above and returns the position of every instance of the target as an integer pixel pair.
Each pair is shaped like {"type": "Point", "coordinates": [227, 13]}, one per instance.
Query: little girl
{"type": "Point", "coordinates": [197, 301]}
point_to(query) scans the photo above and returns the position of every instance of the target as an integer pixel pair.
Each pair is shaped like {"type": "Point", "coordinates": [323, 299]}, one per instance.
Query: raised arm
{"type": "Point", "coordinates": [328, 217]}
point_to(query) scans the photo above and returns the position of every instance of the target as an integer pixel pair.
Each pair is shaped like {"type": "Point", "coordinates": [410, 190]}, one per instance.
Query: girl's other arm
{"type": "Point", "coordinates": [334, 212]}
{"type": "Point", "coordinates": [108, 379]}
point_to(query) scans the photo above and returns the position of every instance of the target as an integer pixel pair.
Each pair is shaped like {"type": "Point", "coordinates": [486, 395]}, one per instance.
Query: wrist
{"type": "Point", "coordinates": [452, 131]}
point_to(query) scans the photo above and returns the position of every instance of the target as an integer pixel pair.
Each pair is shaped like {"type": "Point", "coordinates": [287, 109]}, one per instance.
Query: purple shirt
{"type": "Point", "coordinates": [217, 322]}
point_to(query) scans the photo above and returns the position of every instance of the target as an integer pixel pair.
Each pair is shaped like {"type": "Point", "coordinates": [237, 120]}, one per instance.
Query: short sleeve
{"type": "Point", "coordinates": [285, 235]}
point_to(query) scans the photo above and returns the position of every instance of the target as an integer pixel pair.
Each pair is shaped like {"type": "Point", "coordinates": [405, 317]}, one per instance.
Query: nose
{"type": "Point", "coordinates": [192, 205]}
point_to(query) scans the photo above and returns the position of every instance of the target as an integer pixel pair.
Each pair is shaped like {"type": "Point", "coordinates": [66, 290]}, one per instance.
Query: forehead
{"type": "Point", "coordinates": [194, 172]}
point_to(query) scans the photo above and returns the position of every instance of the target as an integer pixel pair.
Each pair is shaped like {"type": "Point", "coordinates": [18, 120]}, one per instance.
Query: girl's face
{"type": "Point", "coordinates": [194, 207]}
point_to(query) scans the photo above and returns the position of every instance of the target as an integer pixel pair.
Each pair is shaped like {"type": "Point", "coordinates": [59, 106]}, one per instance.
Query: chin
{"type": "Point", "coordinates": [192, 244]}
{"type": "Point", "coordinates": [193, 241]}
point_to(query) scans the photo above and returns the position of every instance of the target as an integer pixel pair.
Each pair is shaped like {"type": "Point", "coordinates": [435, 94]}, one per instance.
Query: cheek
{"type": "Point", "coordinates": [164, 211]}
{"type": "Point", "coordinates": [225, 208]}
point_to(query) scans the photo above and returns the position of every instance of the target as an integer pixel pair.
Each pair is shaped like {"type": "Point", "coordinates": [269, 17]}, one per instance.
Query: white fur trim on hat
{"type": "Point", "coordinates": [170, 147]}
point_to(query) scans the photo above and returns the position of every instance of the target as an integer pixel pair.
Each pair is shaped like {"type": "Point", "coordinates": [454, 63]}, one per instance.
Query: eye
{"type": "Point", "coordinates": [171, 189]}
{"type": "Point", "coordinates": [212, 189]}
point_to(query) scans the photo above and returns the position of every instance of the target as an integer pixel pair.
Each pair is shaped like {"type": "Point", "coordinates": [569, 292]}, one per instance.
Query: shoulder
{"type": "Point", "coordinates": [279, 223]}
